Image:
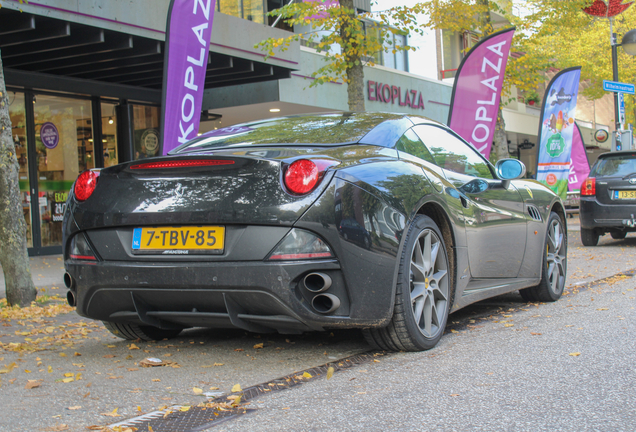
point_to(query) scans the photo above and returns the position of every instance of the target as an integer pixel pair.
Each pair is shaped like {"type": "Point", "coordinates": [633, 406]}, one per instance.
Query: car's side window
{"type": "Point", "coordinates": [411, 144]}
{"type": "Point", "coordinates": [453, 154]}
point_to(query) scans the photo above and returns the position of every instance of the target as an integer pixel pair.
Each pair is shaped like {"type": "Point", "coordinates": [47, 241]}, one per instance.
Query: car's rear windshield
{"type": "Point", "coordinates": [614, 166]}
{"type": "Point", "coordinates": [317, 129]}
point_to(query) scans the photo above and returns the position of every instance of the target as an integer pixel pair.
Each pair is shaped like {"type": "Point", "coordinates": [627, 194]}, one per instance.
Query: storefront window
{"type": "Point", "coordinates": [109, 134]}
{"type": "Point", "coordinates": [146, 131]}
{"type": "Point", "coordinates": [64, 148]}
{"type": "Point", "coordinates": [251, 10]}
{"type": "Point", "coordinates": [18, 130]}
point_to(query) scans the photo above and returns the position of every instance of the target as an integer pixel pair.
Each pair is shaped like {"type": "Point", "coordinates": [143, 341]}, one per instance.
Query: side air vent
{"type": "Point", "coordinates": [534, 213]}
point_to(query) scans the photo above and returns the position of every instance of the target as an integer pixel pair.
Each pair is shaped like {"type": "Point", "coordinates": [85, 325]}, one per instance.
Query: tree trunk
{"type": "Point", "coordinates": [501, 139]}
{"type": "Point", "coordinates": [13, 253]}
{"type": "Point", "coordinates": [355, 72]}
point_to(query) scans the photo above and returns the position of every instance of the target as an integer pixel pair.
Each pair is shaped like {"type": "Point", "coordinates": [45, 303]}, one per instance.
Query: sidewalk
{"type": "Point", "coordinates": [47, 272]}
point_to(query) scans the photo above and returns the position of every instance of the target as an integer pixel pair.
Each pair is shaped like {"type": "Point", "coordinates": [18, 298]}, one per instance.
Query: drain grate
{"type": "Point", "coordinates": [184, 418]}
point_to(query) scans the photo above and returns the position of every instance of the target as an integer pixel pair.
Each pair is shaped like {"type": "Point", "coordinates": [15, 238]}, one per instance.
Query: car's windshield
{"type": "Point", "coordinates": [317, 129]}
{"type": "Point", "coordinates": [615, 166]}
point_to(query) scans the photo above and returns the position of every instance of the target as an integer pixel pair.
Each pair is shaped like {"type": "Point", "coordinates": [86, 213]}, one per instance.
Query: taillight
{"type": "Point", "coordinates": [588, 188]}
{"type": "Point", "coordinates": [80, 250]}
{"type": "Point", "coordinates": [85, 184]}
{"type": "Point", "coordinates": [303, 175]}
{"type": "Point", "coordinates": [182, 163]}
{"type": "Point", "coordinates": [301, 244]}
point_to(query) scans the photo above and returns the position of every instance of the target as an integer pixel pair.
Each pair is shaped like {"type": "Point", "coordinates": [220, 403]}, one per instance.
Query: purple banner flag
{"type": "Point", "coordinates": [477, 90]}
{"type": "Point", "coordinates": [188, 33]}
{"type": "Point", "coordinates": [579, 164]}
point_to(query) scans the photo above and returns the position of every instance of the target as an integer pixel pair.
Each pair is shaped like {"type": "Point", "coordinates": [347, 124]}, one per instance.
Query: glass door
{"type": "Point", "coordinates": [19, 132]}
{"type": "Point", "coordinates": [63, 149]}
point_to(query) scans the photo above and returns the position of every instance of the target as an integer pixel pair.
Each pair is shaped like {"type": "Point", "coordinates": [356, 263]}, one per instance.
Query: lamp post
{"type": "Point", "coordinates": [628, 42]}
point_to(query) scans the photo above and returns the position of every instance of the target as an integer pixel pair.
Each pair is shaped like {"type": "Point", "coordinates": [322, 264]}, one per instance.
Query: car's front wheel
{"type": "Point", "coordinates": [423, 293]}
{"type": "Point", "coordinates": [134, 331]}
{"type": "Point", "coordinates": [554, 269]}
{"type": "Point", "coordinates": [589, 237]}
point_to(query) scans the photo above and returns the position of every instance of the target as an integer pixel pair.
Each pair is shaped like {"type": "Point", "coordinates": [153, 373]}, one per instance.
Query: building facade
{"type": "Point", "coordinates": [84, 84]}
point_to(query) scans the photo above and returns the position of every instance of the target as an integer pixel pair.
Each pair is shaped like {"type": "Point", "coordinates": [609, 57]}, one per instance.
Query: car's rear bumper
{"type": "Point", "coordinates": [255, 296]}
{"type": "Point", "coordinates": [597, 215]}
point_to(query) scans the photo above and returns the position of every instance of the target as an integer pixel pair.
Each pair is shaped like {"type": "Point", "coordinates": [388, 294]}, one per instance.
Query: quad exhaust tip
{"type": "Point", "coordinates": [70, 298]}
{"type": "Point", "coordinates": [325, 303]}
{"type": "Point", "coordinates": [317, 282]}
{"type": "Point", "coordinates": [68, 280]}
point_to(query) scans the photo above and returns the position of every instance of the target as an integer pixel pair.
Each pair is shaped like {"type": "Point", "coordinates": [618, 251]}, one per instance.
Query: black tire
{"type": "Point", "coordinates": [423, 294]}
{"type": "Point", "coordinates": [134, 331]}
{"type": "Point", "coordinates": [555, 265]}
{"type": "Point", "coordinates": [618, 235]}
{"type": "Point", "coordinates": [589, 237]}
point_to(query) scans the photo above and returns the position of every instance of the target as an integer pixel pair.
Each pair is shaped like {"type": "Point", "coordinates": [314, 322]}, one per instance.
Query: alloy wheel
{"type": "Point", "coordinates": [556, 257]}
{"type": "Point", "coordinates": [429, 283]}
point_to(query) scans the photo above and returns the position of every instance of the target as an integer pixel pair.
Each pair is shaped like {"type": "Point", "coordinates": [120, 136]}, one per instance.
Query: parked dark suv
{"type": "Point", "coordinates": [608, 197]}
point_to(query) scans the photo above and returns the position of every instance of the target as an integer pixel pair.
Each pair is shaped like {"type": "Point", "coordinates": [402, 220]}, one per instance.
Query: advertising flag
{"type": "Point", "coordinates": [188, 32]}
{"type": "Point", "coordinates": [477, 90]}
{"type": "Point", "coordinates": [556, 130]}
{"type": "Point", "coordinates": [579, 164]}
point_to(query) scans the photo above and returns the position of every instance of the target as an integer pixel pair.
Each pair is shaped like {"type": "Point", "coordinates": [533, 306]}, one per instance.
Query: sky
{"type": "Point", "coordinates": [423, 61]}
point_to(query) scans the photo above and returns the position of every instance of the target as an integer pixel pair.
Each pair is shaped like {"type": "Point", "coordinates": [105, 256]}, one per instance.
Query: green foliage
{"type": "Point", "coordinates": [359, 37]}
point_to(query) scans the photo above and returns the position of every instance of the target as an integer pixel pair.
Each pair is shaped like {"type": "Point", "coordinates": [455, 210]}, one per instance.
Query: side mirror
{"type": "Point", "coordinates": [509, 169]}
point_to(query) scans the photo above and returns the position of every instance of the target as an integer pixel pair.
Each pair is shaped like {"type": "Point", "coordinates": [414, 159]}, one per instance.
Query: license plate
{"type": "Point", "coordinates": [179, 240]}
{"type": "Point", "coordinates": [625, 194]}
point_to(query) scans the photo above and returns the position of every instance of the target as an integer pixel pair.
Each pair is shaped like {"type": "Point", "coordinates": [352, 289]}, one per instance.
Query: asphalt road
{"type": "Point", "coordinates": [503, 365]}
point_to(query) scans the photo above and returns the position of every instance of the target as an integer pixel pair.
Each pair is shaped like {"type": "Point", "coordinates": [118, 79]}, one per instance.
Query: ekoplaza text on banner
{"type": "Point", "coordinates": [188, 33]}
{"type": "Point", "coordinates": [477, 90]}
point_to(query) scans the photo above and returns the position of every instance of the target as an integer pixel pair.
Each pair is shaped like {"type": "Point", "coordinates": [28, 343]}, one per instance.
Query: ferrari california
{"type": "Point", "coordinates": [383, 222]}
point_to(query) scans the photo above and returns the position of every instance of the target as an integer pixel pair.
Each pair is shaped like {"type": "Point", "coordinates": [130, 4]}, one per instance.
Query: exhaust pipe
{"type": "Point", "coordinates": [317, 282]}
{"type": "Point", "coordinates": [70, 298]}
{"type": "Point", "coordinates": [325, 303]}
{"type": "Point", "coordinates": [68, 281]}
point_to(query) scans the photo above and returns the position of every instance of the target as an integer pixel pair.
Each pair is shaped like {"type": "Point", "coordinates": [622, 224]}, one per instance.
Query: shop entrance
{"type": "Point", "coordinates": [55, 141]}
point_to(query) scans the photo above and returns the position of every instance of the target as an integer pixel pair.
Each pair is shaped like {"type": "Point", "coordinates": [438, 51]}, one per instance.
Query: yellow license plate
{"type": "Point", "coordinates": [179, 240]}
{"type": "Point", "coordinates": [626, 194]}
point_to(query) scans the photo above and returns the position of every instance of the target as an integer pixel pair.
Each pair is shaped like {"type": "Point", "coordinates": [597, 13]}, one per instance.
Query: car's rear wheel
{"type": "Point", "coordinates": [134, 331]}
{"type": "Point", "coordinates": [589, 237]}
{"type": "Point", "coordinates": [554, 270]}
{"type": "Point", "coordinates": [423, 293]}
{"type": "Point", "coordinates": [618, 235]}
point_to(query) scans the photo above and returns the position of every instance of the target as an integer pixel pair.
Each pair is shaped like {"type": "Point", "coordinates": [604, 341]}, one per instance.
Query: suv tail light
{"type": "Point", "coordinates": [85, 184]}
{"type": "Point", "coordinates": [303, 175]}
{"type": "Point", "coordinates": [588, 188]}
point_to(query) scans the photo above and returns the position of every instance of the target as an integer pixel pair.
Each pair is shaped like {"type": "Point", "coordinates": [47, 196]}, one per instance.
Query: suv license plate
{"type": "Point", "coordinates": [625, 194]}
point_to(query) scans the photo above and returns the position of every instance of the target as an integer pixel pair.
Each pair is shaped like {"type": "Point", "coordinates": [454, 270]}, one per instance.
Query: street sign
{"type": "Point", "coordinates": [614, 86]}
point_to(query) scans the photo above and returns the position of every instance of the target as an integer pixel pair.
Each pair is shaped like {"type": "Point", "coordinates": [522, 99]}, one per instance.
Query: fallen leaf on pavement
{"type": "Point", "coordinates": [113, 413]}
{"type": "Point", "coordinates": [32, 384]}
{"type": "Point", "coordinates": [330, 372]}
{"type": "Point", "coordinates": [575, 354]}
{"type": "Point", "coordinates": [132, 346]}
{"type": "Point", "coordinates": [258, 345]}
{"type": "Point", "coordinates": [73, 408]}
{"type": "Point", "coordinates": [60, 427]}
{"type": "Point", "coordinates": [197, 390]}
{"type": "Point", "coordinates": [307, 375]}
{"type": "Point", "coordinates": [535, 334]}
{"type": "Point", "coordinates": [236, 388]}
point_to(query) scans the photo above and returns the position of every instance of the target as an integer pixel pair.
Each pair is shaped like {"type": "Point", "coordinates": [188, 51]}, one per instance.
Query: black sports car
{"type": "Point", "coordinates": [246, 227]}
{"type": "Point", "coordinates": [608, 198]}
